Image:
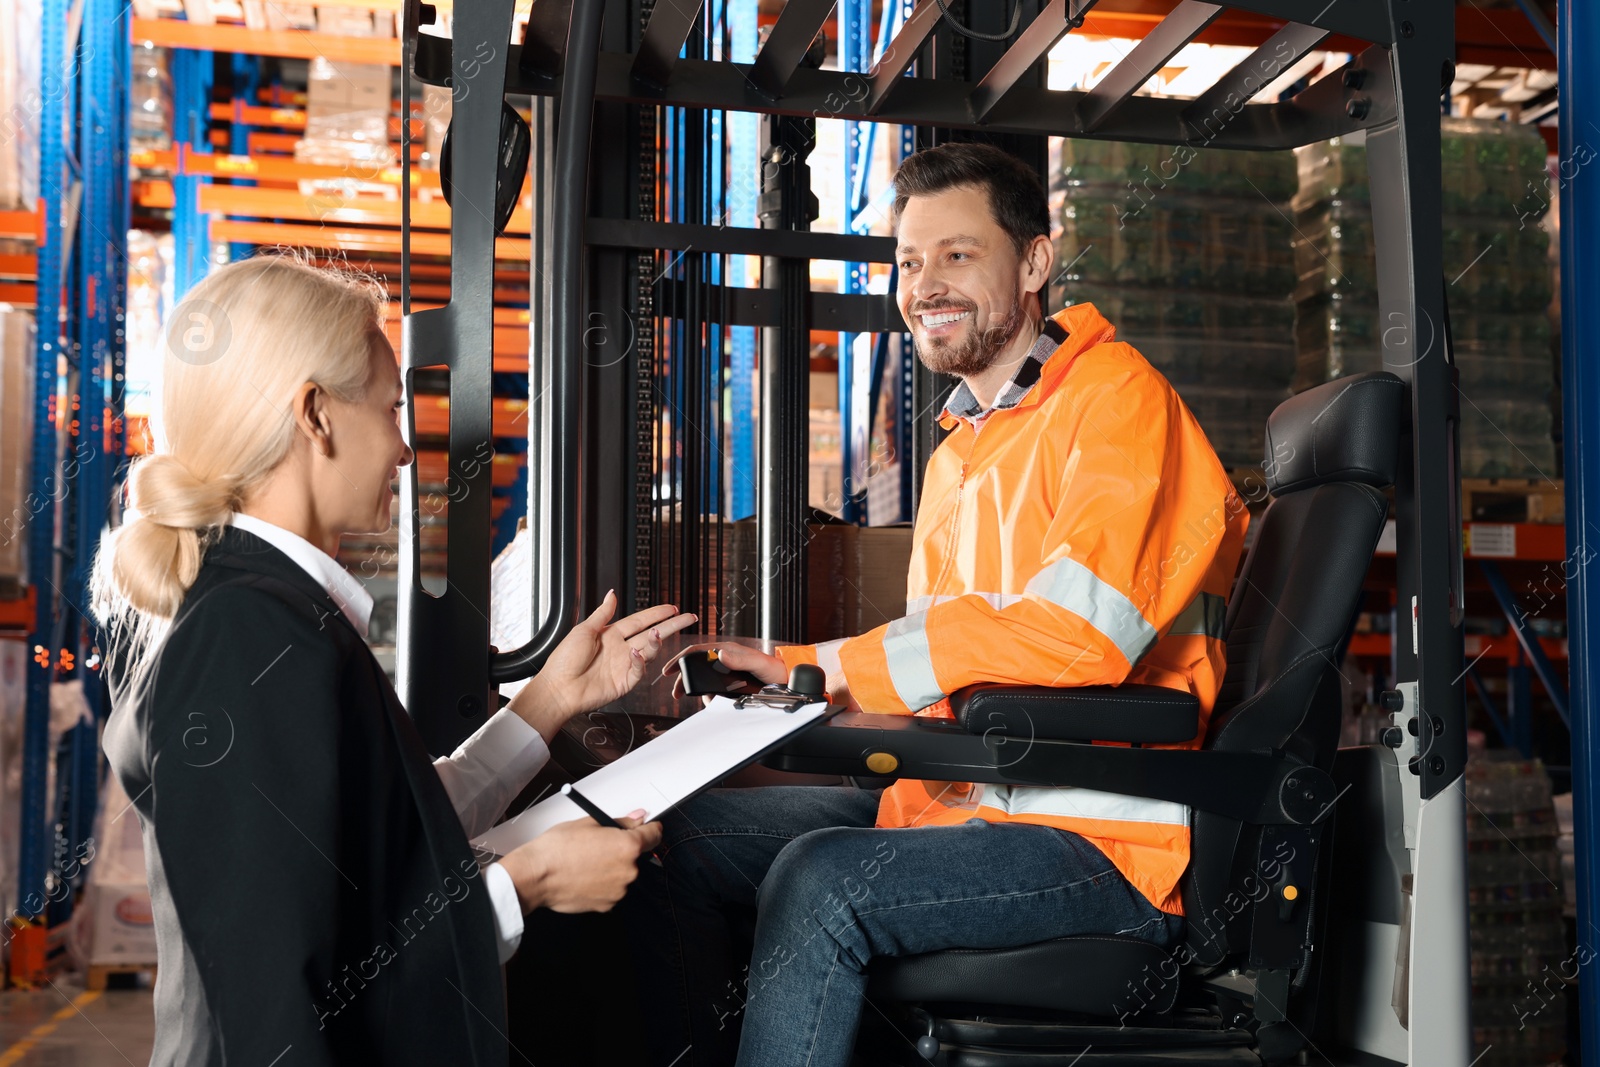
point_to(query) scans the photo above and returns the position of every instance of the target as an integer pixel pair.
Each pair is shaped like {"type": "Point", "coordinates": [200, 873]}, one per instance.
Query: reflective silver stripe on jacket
{"type": "Point", "coordinates": [1205, 614]}
{"type": "Point", "coordinates": [1076, 802]}
{"type": "Point", "coordinates": [905, 645]}
{"type": "Point", "coordinates": [1066, 583]}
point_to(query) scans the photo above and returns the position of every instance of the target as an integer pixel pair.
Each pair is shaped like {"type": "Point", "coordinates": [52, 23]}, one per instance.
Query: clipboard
{"type": "Point", "coordinates": [662, 773]}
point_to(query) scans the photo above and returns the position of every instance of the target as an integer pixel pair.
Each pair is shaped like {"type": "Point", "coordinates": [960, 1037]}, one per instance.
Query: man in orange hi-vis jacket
{"type": "Point", "coordinates": [1075, 528]}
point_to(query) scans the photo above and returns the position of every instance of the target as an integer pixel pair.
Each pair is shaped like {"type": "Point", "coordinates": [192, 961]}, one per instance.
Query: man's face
{"type": "Point", "coordinates": [961, 280]}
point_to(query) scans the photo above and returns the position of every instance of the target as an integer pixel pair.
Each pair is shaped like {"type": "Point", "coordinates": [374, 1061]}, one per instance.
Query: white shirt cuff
{"type": "Point", "coordinates": [490, 768]}
{"type": "Point", "coordinates": [507, 909]}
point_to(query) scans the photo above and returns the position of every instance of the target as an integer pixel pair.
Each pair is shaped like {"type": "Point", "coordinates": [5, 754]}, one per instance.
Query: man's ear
{"type": "Point", "coordinates": [1038, 259]}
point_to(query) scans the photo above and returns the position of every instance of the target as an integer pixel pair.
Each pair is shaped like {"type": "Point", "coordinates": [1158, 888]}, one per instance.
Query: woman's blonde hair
{"type": "Point", "coordinates": [238, 347]}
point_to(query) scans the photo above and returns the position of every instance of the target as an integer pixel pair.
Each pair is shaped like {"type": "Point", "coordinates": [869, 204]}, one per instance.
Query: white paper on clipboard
{"type": "Point", "coordinates": [708, 745]}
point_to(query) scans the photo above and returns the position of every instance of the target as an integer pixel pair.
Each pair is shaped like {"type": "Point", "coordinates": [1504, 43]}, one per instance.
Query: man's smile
{"type": "Point", "coordinates": [941, 322]}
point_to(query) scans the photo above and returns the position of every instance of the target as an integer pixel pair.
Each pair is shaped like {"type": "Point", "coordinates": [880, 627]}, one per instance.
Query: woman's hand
{"type": "Point", "coordinates": [769, 670]}
{"type": "Point", "coordinates": [580, 865]}
{"type": "Point", "coordinates": [596, 663]}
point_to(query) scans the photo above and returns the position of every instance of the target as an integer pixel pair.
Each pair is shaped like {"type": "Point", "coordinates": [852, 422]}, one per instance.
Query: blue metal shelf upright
{"type": "Point", "coordinates": [1578, 24]}
{"type": "Point", "coordinates": [860, 381]}
{"type": "Point", "coordinates": [78, 431]}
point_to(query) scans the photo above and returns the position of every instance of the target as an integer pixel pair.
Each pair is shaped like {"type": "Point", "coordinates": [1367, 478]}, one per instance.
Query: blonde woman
{"type": "Point", "coordinates": [316, 900]}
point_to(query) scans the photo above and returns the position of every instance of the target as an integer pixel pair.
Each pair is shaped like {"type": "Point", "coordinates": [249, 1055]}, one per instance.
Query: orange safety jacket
{"type": "Point", "coordinates": [1087, 535]}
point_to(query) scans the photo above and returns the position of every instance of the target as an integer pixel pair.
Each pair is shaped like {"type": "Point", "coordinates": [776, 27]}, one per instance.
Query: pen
{"type": "Point", "coordinates": [593, 811]}
{"type": "Point", "coordinates": [589, 807]}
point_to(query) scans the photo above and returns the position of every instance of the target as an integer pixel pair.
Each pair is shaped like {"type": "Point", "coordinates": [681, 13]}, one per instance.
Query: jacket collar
{"type": "Point", "coordinates": [338, 583]}
{"type": "Point", "coordinates": [1077, 329]}
{"type": "Point", "coordinates": [239, 549]}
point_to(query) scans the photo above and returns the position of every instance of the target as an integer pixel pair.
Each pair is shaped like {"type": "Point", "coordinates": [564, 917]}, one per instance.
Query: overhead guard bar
{"type": "Point", "coordinates": [664, 36]}
{"type": "Point", "coordinates": [1164, 41]}
{"type": "Point", "coordinates": [1280, 52]}
{"type": "Point", "coordinates": [1025, 110]}
{"type": "Point", "coordinates": [544, 41]}
{"type": "Point", "coordinates": [899, 54]}
{"type": "Point", "coordinates": [1031, 45]}
{"type": "Point", "coordinates": [798, 25]}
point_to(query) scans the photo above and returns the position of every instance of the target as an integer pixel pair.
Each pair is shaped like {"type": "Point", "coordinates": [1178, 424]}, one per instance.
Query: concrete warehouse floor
{"type": "Point", "coordinates": [63, 1025]}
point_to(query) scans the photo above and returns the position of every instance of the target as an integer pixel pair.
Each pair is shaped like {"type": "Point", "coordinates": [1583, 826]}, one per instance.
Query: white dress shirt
{"type": "Point", "coordinates": [489, 768]}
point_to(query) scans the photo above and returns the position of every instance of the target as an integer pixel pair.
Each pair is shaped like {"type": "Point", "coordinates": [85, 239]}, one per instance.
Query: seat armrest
{"type": "Point", "coordinates": [1148, 714]}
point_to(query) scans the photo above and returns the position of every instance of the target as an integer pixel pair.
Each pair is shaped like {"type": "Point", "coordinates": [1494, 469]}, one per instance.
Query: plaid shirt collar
{"type": "Point", "coordinates": [963, 405]}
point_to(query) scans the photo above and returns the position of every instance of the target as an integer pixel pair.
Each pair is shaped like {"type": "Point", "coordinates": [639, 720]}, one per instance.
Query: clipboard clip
{"type": "Point", "coordinates": [807, 685]}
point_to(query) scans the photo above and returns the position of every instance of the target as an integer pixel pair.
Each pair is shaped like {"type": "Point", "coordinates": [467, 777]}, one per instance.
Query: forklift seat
{"type": "Point", "coordinates": [1226, 993]}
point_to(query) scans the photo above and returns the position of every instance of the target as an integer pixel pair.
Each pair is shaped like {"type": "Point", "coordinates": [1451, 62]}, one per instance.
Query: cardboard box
{"type": "Point", "coordinates": [347, 124]}
{"type": "Point", "coordinates": [121, 926]}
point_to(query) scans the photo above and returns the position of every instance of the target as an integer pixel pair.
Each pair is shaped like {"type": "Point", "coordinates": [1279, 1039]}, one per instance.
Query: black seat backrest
{"type": "Point", "coordinates": [1330, 452]}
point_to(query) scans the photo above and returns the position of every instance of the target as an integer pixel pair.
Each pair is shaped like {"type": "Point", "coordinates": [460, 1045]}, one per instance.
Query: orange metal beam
{"type": "Point", "coordinates": [255, 115]}
{"type": "Point", "coordinates": [154, 194]}
{"type": "Point", "coordinates": [519, 249]}
{"type": "Point", "coordinates": [259, 144]}
{"type": "Point", "coordinates": [425, 291]}
{"type": "Point", "coordinates": [18, 615]}
{"type": "Point", "coordinates": [19, 293]}
{"type": "Point", "coordinates": [19, 224]}
{"type": "Point", "coordinates": [291, 118]}
{"type": "Point", "coordinates": [509, 417]}
{"type": "Point", "coordinates": [1477, 645]}
{"type": "Point", "coordinates": [293, 44]}
{"type": "Point", "coordinates": [510, 346]}
{"type": "Point", "coordinates": [354, 211]}
{"type": "Point", "coordinates": [25, 266]}
{"type": "Point", "coordinates": [274, 168]}
{"type": "Point", "coordinates": [502, 316]}
{"type": "Point", "coordinates": [1498, 37]}
{"type": "Point", "coordinates": [433, 466]}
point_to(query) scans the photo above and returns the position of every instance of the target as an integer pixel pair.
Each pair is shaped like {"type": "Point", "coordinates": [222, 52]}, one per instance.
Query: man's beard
{"type": "Point", "coordinates": [976, 350]}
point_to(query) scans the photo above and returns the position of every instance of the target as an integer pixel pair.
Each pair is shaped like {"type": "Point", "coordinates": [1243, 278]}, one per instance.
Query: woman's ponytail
{"type": "Point", "coordinates": [155, 555]}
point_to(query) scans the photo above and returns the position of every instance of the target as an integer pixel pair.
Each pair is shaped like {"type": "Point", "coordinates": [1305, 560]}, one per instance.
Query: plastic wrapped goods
{"type": "Point", "coordinates": [1507, 355]}
{"type": "Point", "coordinates": [1490, 169]}
{"type": "Point", "coordinates": [1156, 169]}
{"type": "Point", "coordinates": [1492, 263]}
{"type": "Point", "coordinates": [1175, 242]}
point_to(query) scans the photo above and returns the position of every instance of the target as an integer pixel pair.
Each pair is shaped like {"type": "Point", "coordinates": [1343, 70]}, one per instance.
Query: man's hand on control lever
{"type": "Point", "coordinates": [769, 670]}
{"type": "Point", "coordinates": [596, 663]}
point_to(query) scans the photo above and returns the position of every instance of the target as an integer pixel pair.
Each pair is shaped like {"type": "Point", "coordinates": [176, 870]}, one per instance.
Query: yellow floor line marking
{"type": "Point", "coordinates": [15, 1053]}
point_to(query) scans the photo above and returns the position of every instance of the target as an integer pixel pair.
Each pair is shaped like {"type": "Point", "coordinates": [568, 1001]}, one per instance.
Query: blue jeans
{"type": "Point", "coordinates": [828, 892]}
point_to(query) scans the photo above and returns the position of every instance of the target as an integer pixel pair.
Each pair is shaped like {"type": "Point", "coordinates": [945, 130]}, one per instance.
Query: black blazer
{"type": "Point", "coordinates": [315, 898]}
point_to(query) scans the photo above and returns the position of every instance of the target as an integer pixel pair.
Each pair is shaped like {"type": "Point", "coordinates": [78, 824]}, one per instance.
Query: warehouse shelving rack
{"type": "Point", "coordinates": [81, 294]}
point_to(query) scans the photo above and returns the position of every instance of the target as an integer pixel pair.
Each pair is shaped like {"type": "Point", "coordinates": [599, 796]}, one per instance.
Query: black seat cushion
{"type": "Point", "coordinates": [1103, 975]}
{"type": "Point", "coordinates": [1151, 714]}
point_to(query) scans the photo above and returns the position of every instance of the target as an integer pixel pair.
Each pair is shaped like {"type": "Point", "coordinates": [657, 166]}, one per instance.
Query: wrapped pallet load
{"type": "Point", "coordinates": [1188, 252]}
{"type": "Point", "coordinates": [1497, 280]}
{"type": "Point", "coordinates": [1522, 962]}
{"type": "Point", "coordinates": [16, 439]}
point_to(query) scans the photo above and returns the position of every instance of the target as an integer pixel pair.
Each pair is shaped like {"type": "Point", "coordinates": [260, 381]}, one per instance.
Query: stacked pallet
{"type": "Point", "coordinates": [1521, 963]}
{"type": "Point", "coordinates": [855, 579]}
{"type": "Point", "coordinates": [1188, 253]}
{"type": "Point", "coordinates": [1497, 283]}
